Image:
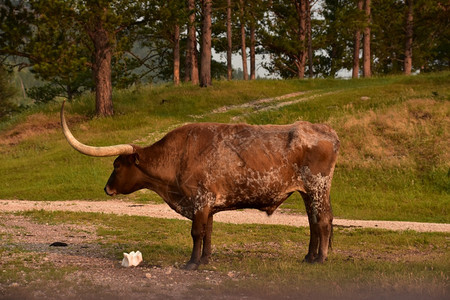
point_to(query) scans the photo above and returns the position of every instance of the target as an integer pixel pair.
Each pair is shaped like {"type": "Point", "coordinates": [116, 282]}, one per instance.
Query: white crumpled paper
{"type": "Point", "coordinates": [132, 259]}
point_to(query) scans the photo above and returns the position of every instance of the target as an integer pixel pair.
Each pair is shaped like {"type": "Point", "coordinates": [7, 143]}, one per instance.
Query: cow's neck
{"type": "Point", "coordinates": [156, 166]}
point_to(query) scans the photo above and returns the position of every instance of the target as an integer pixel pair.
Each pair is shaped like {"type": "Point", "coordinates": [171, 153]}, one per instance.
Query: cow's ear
{"type": "Point", "coordinates": [135, 156]}
{"type": "Point", "coordinates": [133, 159]}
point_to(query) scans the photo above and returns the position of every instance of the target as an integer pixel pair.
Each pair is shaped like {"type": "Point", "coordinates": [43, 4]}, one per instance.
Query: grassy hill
{"type": "Point", "coordinates": [394, 162]}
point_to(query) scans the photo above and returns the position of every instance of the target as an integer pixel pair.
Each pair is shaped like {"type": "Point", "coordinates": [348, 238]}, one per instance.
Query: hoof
{"type": "Point", "coordinates": [320, 260]}
{"type": "Point", "coordinates": [191, 266]}
{"type": "Point", "coordinates": [310, 259]}
{"type": "Point", "coordinates": [314, 260]}
{"type": "Point", "coordinates": [204, 260]}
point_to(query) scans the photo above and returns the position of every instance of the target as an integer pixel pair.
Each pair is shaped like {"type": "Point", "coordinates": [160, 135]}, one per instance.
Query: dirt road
{"type": "Point", "coordinates": [280, 216]}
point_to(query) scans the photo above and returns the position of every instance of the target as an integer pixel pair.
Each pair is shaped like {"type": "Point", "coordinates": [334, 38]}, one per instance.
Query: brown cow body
{"type": "Point", "coordinates": [201, 169]}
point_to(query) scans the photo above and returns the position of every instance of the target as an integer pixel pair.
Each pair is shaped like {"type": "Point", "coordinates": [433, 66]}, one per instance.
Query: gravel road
{"type": "Point", "coordinates": [280, 217]}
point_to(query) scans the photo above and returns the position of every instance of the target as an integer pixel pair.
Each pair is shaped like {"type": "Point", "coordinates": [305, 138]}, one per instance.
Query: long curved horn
{"type": "Point", "coordinates": [89, 150]}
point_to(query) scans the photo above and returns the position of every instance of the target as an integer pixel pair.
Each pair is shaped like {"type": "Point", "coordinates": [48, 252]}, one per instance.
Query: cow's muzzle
{"type": "Point", "coordinates": [109, 192]}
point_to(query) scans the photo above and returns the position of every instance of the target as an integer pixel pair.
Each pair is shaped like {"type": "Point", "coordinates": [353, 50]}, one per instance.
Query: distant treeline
{"type": "Point", "coordinates": [94, 45]}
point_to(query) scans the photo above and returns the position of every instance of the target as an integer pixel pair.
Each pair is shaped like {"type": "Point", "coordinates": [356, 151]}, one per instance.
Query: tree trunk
{"type": "Point", "coordinates": [243, 47]}
{"type": "Point", "coordinates": [309, 32]}
{"type": "Point", "coordinates": [300, 6]}
{"type": "Point", "coordinates": [70, 93]}
{"type": "Point", "coordinates": [191, 72]}
{"type": "Point", "coordinates": [409, 38]}
{"type": "Point", "coordinates": [176, 55]}
{"type": "Point", "coordinates": [357, 45]}
{"type": "Point", "coordinates": [252, 53]}
{"type": "Point", "coordinates": [229, 42]}
{"type": "Point", "coordinates": [101, 68]}
{"type": "Point", "coordinates": [367, 72]}
{"type": "Point", "coordinates": [205, 70]}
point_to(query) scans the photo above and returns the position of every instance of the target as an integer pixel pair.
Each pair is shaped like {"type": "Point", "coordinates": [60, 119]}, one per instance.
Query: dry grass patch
{"type": "Point", "coordinates": [414, 132]}
{"type": "Point", "coordinates": [36, 124]}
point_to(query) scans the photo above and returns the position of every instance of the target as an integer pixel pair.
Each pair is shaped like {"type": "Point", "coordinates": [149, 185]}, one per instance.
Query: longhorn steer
{"type": "Point", "coordinates": [202, 169]}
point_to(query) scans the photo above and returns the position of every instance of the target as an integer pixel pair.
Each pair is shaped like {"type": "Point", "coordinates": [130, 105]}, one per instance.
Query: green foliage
{"type": "Point", "coordinates": [43, 94]}
{"type": "Point", "coordinates": [280, 37]}
{"type": "Point", "coordinates": [431, 36]}
{"type": "Point", "coordinates": [49, 41]}
{"type": "Point", "coordinates": [55, 38]}
{"type": "Point", "coordinates": [430, 45]}
{"type": "Point", "coordinates": [57, 41]}
{"type": "Point", "coordinates": [157, 37]}
{"type": "Point", "coordinates": [253, 16]}
{"type": "Point", "coordinates": [388, 28]}
{"type": "Point", "coordinates": [335, 36]}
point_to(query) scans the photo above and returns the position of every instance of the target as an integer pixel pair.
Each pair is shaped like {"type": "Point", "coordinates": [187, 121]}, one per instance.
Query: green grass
{"type": "Point", "coordinates": [21, 267]}
{"type": "Point", "coordinates": [269, 258]}
{"type": "Point", "coordinates": [22, 258]}
{"type": "Point", "coordinates": [393, 164]}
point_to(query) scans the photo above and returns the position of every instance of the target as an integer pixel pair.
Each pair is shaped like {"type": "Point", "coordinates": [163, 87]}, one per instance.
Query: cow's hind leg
{"type": "Point", "coordinates": [206, 252]}
{"type": "Point", "coordinates": [198, 233]}
{"type": "Point", "coordinates": [320, 219]}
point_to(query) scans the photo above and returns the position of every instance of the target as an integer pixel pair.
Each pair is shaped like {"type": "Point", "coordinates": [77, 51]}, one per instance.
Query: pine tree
{"type": "Point", "coordinates": [431, 35]}
{"type": "Point", "coordinates": [229, 42]}
{"type": "Point", "coordinates": [357, 44]}
{"type": "Point", "coordinates": [243, 44]}
{"type": "Point", "coordinates": [191, 72]}
{"type": "Point", "coordinates": [284, 37]}
{"type": "Point", "coordinates": [176, 55]}
{"type": "Point", "coordinates": [64, 40]}
{"type": "Point", "coordinates": [205, 64]}
{"type": "Point", "coordinates": [367, 58]}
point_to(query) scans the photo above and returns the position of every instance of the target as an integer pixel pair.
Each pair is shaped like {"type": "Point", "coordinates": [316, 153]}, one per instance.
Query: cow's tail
{"type": "Point", "coordinates": [330, 242]}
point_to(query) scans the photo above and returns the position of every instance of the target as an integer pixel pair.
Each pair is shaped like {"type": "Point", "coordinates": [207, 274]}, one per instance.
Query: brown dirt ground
{"type": "Point", "coordinates": [88, 271]}
{"type": "Point", "coordinates": [97, 274]}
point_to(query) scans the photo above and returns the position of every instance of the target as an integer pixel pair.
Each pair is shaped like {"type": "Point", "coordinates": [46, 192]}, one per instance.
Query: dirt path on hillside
{"type": "Point", "coordinates": [266, 104]}
{"type": "Point", "coordinates": [280, 217]}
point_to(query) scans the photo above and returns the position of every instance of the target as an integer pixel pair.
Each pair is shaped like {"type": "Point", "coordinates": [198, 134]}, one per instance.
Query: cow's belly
{"type": "Point", "coordinates": [264, 190]}
{"type": "Point", "coordinates": [268, 203]}
{"type": "Point", "coordinates": [267, 200]}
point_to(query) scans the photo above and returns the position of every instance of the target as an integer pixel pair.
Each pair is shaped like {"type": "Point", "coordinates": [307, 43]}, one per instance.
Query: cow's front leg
{"type": "Point", "coordinates": [198, 233]}
{"type": "Point", "coordinates": [325, 227]}
{"type": "Point", "coordinates": [314, 233]}
{"type": "Point", "coordinates": [314, 238]}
